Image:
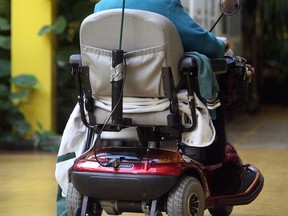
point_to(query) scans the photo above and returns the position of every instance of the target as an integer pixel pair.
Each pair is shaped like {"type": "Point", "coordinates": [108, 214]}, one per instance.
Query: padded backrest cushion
{"type": "Point", "coordinates": [150, 41]}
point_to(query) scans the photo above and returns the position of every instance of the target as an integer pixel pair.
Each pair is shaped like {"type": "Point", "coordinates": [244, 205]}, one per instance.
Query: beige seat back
{"type": "Point", "coordinates": [150, 42]}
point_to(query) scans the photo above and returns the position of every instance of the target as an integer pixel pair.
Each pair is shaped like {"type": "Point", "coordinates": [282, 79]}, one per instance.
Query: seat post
{"type": "Point", "coordinates": [117, 86]}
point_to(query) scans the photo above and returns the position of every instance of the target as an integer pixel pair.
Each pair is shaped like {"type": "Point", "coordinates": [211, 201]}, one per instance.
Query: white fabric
{"type": "Point", "coordinates": [143, 71]}
{"type": "Point", "coordinates": [135, 105]}
{"type": "Point", "coordinates": [202, 136]}
{"type": "Point", "coordinates": [73, 141]}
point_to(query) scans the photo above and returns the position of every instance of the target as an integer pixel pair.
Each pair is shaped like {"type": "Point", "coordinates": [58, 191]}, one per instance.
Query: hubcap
{"type": "Point", "coordinates": [194, 204]}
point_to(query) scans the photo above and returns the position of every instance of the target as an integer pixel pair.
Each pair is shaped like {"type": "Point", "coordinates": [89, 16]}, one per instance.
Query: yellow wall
{"type": "Point", "coordinates": [33, 54]}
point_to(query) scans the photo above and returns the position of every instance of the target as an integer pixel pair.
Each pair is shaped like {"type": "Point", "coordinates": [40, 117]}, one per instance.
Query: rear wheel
{"type": "Point", "coordinates": [73, 201]}
{"type": "Point", "coordinates": [224, 211]}
{"type": "Point", "coordinates": [186, 198]}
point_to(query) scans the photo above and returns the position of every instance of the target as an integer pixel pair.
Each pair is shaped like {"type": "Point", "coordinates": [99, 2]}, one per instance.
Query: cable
{"type": "Point", "coordinates": [122, 25]}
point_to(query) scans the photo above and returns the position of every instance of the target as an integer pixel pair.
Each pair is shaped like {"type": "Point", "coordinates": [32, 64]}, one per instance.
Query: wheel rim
{"type": "Point", "coordinates": [194, 204]}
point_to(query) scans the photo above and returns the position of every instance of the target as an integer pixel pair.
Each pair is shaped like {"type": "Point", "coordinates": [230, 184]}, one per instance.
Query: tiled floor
{"type": "Point", "coordinates": [28, 188]}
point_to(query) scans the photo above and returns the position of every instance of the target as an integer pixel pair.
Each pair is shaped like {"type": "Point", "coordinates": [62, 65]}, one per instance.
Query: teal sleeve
{"type": "Point", "coordinates": [193, 36]}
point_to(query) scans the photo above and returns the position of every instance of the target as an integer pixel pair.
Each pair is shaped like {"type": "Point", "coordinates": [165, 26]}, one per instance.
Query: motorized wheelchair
{"type": "Point", "coordinates": [136, 90]}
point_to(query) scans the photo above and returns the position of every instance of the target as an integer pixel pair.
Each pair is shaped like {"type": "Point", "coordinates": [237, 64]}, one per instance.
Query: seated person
{"type": "Point", "coordinates": [194, 38]}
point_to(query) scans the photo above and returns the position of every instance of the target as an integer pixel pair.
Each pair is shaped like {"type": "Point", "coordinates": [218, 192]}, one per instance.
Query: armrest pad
{"type": "Point", "coordinates": [219, 65]}
{"type": "Point", "coordinates": [75, 59]}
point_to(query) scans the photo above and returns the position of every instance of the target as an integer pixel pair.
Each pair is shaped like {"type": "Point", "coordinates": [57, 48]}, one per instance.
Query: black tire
{"type": "Point", "coordinates": [186, 198]}
{"type": "Point", "coordinates": [224, 211]}
{"type": "Point", "coordinates": [73, 201]}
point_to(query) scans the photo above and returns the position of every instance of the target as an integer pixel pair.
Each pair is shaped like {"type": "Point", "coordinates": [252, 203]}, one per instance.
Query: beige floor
{"type": "Point", "coordinates": [27, 185]}
{"type": "Point", "coordinates": [28, 188]}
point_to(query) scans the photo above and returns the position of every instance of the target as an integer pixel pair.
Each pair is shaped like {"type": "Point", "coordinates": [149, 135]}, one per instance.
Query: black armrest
{"type": "Point", "coordinates": [219, 65]}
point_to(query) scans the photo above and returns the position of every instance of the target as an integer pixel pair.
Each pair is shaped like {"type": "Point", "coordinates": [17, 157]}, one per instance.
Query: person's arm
{"type": "Point", "coordinates": [193, 36]}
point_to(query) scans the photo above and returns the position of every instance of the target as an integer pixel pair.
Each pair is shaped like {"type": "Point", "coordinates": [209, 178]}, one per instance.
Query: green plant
{"type": "Point", "coordinates": [274, 28]}
{"type": "Point", "coordinates": [13, 123]}
{"type": "Point", "coordinates": [66, 28]}
{"type": "Point", "coordinates": [41, 135]}
{"type": "Point", "coordinates": [14, 126]}
{"type": "Point", "coordinates": [274, 33]}
{"type": "Point", "coordinates": [4, 28]}
{"type": "Point", "coordinates": [265, 40]}
{"type": "Point", "coordinates": [10, 113]}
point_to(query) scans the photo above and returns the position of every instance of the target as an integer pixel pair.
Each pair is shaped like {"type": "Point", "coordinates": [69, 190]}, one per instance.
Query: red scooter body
{"type": "Point", "coordinates": [131, 175]}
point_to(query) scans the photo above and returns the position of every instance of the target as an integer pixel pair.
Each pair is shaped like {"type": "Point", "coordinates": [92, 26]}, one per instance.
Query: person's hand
{"type": "Point", "coordinates": [226, 42]}
{"type": "Point", "coordinates": [250, 71]}
{"type": "Point", "coordinates": [229, 52]}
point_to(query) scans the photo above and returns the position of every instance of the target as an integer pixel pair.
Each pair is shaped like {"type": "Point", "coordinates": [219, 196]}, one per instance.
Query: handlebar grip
{"type": "Point", "coordinates": [219, 65]}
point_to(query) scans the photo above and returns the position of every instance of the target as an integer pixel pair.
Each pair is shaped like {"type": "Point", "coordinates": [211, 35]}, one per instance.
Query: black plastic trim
{"type": "Point", "coordinates": [245, 199]}
{"type": "Point", "coordinates": [116, 186]}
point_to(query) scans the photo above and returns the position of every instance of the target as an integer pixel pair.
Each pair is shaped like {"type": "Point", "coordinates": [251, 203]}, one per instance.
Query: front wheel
{"type": "Point", "coordinates": [186, 198]}
{"type": "Point", "coordinates": [224, 211]}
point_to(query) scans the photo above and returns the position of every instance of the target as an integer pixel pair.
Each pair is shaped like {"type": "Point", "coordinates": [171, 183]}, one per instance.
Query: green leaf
{"type": "Point", "coordinates": [37, 86]}
{"type": "Point", "coordinates": [59, 26]}
{"type": "Point", "coordinates": [4, 24]}
{"type": "Point", "coordinates": [19, 94]}
{"type": "Point", "coordinates": [24, 80]}
{"type": "Point", "coordinates": [4, 91]}
{"type": "Point", "coordinates": [22, 127]}
{"type": "Point", "coordinates": [40, 126]}
{"type": "Point", "coordinates": [45, 29]}
{"type": "Point", "coordinates": [5, 42]}
{"type": "Point", "coordinates": [15, 116]}
{"type": "Point", "coordinates": [6, 105]}
{"type": "Point", "coordinates": [5, 7]}
{"type": "Point", "coordinates": [5, 68]}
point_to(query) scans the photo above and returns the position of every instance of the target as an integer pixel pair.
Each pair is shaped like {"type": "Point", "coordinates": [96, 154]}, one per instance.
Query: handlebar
{"type": "Point", "coordinates": [236, 66]}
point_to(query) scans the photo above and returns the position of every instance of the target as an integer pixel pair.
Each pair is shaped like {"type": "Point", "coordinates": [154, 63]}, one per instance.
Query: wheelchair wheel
{"type": "Point", "coordinates": [186, 198]}
{"type": "Point", "coordinates": [73, 201]}
{"type": "Point", "coordinates": [225, 211]}
{"type": "Point", "coordinates": [74, 204]}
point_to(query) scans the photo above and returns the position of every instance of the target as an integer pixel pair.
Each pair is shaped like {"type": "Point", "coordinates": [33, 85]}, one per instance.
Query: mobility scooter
{"type": "Point", "coordinates": [137, 91]}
